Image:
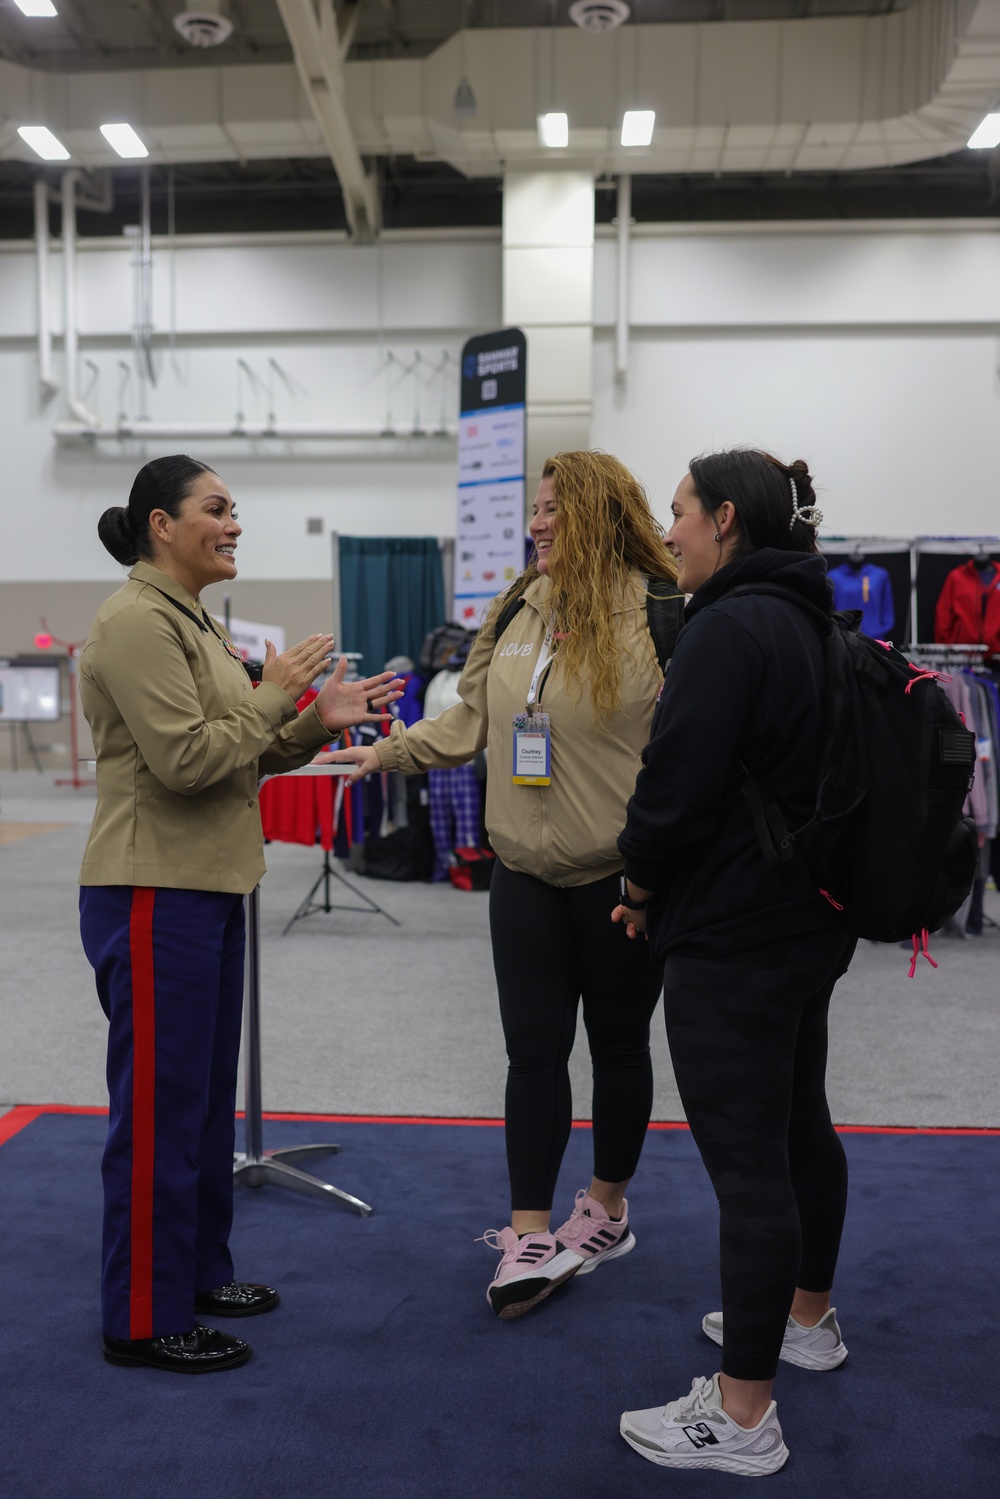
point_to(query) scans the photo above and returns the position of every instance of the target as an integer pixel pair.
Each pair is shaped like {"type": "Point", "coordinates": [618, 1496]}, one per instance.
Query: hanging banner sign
{"type": "Point", "coordinates": [489, 526]}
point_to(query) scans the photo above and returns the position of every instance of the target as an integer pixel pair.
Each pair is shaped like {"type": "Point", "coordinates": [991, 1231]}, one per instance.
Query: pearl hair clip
{"type": "Point", "coordinates": [812, 515]}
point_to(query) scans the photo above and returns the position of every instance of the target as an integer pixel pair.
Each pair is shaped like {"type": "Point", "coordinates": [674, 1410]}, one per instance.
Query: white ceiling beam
{"type": "Point", "coordinates": [319, 60]}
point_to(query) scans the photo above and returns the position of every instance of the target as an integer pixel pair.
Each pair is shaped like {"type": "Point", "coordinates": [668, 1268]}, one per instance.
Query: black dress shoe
{"type": "Point", "coordinates": [201, 1351]}
{"type": "Point", "coordinates": [238, 1299]}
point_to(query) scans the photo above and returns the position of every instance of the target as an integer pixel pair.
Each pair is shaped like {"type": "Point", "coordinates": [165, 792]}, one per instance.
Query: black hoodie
{"type": "Point", "coordinates": [745, 686]}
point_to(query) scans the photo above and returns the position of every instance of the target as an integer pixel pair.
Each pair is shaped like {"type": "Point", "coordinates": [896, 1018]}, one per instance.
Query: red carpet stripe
{"type": "Point", "coordinates": [143, 1111]}
{"type": "Point", "coordinates": [19, 1117]}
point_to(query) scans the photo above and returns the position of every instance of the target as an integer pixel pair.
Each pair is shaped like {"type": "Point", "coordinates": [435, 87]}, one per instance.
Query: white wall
{"type": "Point", "coordinates": [871, 352]}
{"type": "Point", "coordinates": [344, 327]}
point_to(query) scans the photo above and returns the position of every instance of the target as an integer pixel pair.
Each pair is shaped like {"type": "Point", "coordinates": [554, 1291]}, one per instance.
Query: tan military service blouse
{"type": "Point", "coordinates": [181, 737]}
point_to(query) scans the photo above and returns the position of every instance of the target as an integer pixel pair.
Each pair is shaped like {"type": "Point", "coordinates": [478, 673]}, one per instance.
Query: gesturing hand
{"type": "Point", "coordinates": [297, 667]}
{"type": "Point", "coordinates": [341, 704]}
{"type": "Point", "coordinates": [363, 756]}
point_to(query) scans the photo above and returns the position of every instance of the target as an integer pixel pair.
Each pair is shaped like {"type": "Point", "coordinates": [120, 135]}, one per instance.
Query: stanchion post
{"type": "Point", "coordinates": [253, 1099]}
{"type": "Point", "coordinates": [255, 1166]}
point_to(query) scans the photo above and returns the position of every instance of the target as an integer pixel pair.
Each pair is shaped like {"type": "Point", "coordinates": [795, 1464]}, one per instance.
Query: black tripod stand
{"type": "Point", "coordinates": [310, 906]}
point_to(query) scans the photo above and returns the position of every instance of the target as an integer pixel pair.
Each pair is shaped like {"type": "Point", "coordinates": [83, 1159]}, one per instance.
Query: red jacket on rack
{"type": "Point", "coordinates": [967, 613]}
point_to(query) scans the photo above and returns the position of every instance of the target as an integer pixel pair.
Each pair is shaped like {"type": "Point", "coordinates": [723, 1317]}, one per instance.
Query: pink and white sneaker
{"type": "Point", "coordinates": [595, 1237]}
{"type": "Point", "coordinates": [532, 1266]}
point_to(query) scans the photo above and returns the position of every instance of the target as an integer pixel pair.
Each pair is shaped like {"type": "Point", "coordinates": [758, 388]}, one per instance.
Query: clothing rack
{"type": "Point", "coordinates": [881, 549]}
{"type": "Point", "coordinates": [949, 655]}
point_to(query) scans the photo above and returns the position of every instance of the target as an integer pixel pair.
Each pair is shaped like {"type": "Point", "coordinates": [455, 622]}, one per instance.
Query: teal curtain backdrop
{"type": "Point", "coordinates": [391, 594]}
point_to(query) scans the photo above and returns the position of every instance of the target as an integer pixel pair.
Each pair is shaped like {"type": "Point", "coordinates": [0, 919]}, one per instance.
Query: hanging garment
{"type": "Point", "coordinates": [456, 814]}
{"type": "Point", "coordinates": [869, 589]}
{"type": "Point", "coordinates": [968, 610]}
{"type": "Point", "coordinates": [958, 690]}
{"type": "Point", "coordinates": [982, 722]}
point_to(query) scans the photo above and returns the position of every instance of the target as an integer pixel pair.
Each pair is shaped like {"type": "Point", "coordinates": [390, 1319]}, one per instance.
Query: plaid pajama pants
{"type": "Point", "coordinates": [456, 814]}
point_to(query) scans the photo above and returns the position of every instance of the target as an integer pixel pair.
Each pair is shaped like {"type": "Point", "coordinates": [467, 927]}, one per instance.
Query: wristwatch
{"type": "Point", "coordinates": [626, 899]}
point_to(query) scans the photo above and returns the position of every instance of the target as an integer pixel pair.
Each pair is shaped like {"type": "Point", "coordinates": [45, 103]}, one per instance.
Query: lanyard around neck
{"type": "Point", "coordinates": [204, 624]}
{"type": "Point", "coordinates": [545, 658]}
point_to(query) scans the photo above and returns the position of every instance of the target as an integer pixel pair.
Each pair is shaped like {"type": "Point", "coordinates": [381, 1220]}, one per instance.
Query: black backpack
{"type": "Point", "coordinates": [887, 844]}
{"type": "Point", "coordinates": [664, 615]}
{"type": "Point", "coordinates": [441, 644]}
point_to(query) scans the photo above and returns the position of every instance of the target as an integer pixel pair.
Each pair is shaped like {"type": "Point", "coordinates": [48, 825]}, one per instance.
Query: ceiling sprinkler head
{"type": "Point", "coordinates": [599, 15]}
{"type": "Point", "coordinates": [203, 28]}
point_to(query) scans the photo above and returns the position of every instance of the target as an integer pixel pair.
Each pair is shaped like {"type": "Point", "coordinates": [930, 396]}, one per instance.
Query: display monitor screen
{"type": "Point", "coordinates": [29, 693]}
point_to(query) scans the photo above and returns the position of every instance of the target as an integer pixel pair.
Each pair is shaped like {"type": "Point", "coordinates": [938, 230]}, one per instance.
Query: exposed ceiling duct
{"type": "Point", "coordinates": [832, 94]}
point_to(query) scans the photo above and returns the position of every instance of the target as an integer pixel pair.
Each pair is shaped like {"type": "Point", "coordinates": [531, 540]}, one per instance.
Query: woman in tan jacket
{"type": "Point", "coordinates": [560, 687]}
{"type": "Point", "coordinates": [181, 737]}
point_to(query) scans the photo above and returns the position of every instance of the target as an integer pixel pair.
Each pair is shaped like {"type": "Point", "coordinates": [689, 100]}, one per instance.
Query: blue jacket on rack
{"type": "Point", "coordinates": [866, 588]}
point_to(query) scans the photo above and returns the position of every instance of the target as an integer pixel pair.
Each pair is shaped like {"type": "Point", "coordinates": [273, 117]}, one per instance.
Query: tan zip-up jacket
{"type": "Point", "coordinates": [181, 737]}
{"type": "Point", "coordinates": [564, 833]}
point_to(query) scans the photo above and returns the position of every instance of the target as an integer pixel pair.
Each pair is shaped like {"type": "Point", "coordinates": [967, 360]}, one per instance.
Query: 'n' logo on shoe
{"type": "Point", "coordinates": [701, 1435]}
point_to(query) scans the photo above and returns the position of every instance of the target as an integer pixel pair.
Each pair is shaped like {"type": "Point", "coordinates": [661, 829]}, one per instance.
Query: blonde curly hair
{"type": "Point", "coordinates": [605, 528]}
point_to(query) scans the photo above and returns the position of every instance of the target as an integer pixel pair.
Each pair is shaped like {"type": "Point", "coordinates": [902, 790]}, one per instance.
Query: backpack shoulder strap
{"type": "Point", "coordinates": [818, 615]}
{"type": "Point", "coordinates": [664, 615]}
{"type": "Point", "coordinates": [506, 615]}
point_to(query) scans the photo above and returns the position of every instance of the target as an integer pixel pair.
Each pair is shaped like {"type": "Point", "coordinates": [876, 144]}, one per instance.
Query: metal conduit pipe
{"type": "Point", "coordinates": [289, 431]}
{"type": "Point", "coordinates": [76, 407]}
{"type": "Point", "coordinates": [48, 385]}
{"type": "Point", "coordinates": [622, 300]}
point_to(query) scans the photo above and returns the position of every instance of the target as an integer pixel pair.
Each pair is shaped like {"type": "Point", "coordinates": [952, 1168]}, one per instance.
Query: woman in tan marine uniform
{"type": "Point", "coordinates": [181, 737]}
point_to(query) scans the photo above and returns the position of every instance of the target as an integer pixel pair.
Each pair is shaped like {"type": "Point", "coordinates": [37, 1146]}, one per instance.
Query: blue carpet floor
{"type": "Point", "coordinates": [384, 1375]}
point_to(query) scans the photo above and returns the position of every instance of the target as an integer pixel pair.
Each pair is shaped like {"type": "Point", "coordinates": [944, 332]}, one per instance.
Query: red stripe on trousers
{"type": "Point", "coordinates": [143, 1112]}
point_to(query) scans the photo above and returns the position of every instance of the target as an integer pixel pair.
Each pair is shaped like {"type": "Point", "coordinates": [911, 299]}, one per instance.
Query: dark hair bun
{"type": "Point", "coordinates": [115, 531]}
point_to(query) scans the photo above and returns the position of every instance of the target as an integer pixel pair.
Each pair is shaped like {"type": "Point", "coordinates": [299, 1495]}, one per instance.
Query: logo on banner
{"type": "Point", "coordinates": [489, 390]}
{"type": "Point", "coordinates": [496, 361]}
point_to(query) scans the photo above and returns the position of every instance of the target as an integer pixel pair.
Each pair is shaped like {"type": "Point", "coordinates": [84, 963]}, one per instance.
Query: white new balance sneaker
{"type": "Point", "coordinates": [819, 1347]}
{"type": "Point", "coordinates": [695, 1432]}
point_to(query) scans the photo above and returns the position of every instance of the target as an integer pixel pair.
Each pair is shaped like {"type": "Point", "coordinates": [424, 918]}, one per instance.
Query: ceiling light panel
{"type": "Point", "coordinates": [124, 139]}
{"type": "Point", "coordinates": [987, 135]}
{"type": "Point", "coordinates": [637, 127]}
{"type": "Point", "coordinates": [36, 7]}
{"type": "Point", "coordinates": [43, 142]}
{"type": "Point", "coordinates": [553, 130]}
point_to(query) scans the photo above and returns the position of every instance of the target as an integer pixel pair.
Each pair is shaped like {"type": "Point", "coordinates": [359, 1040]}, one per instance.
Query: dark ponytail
{"type": "Point", "coordinates": [760, 487]}
{"type": "Point", "coordinates": [162, 484]}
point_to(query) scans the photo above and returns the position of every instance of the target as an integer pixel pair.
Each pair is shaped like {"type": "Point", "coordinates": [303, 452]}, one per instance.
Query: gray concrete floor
{"type": "Point", "coordinates": [362, 1017]}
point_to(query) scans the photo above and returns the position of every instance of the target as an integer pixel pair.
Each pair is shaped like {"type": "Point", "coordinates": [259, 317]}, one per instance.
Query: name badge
{"type": "Point", "coordinates": [532, 750]}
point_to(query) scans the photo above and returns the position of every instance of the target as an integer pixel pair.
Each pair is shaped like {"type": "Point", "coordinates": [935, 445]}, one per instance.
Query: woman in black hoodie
{"type": "Point", "coordinates": [751, 952]}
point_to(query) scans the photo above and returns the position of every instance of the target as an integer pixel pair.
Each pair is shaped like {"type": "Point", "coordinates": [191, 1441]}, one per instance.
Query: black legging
{"type": "Point", "coordinates": [550, 947]}
{"type": "Point", "coordinates": [748, 1040]}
